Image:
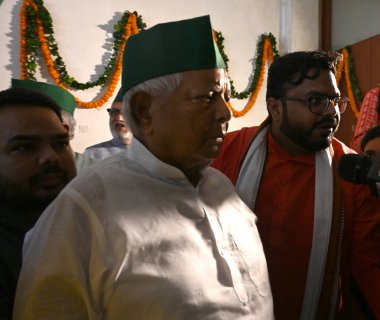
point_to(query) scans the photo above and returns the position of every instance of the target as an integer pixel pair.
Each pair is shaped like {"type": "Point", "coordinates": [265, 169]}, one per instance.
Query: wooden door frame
{"type": "Point", "coordinates": [325, 20]}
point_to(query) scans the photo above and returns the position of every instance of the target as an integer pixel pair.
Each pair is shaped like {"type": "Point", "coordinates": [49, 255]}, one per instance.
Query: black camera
{"type": "Point", "coordinates": [361, 169]}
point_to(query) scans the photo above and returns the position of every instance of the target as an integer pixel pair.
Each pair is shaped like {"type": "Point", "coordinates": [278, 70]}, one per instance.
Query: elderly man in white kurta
{"type": "Point", "coordinates": [154, 233]}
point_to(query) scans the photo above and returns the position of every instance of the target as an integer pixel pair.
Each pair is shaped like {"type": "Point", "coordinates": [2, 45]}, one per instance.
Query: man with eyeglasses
{"type": "Point", "coordinates": [318, 231]}
{"type": "Point", "coordinates": [121, 133]}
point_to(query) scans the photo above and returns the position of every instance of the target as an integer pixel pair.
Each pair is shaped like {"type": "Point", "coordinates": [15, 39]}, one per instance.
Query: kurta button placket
{"type": "Point", "coordinates": [229, 262]}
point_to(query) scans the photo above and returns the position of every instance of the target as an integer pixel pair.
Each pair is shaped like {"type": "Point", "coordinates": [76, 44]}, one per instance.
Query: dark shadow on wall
{"type": "Point", "coordinates": [108, 45]}
{"type": "Point", "coordinates": [14, 42]}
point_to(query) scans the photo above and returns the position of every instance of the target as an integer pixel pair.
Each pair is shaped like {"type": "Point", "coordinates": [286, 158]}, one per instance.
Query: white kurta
{"type": "Point", "coordinates": [105, 149]}
{"type": "Point", "coordinates": [132, 239]}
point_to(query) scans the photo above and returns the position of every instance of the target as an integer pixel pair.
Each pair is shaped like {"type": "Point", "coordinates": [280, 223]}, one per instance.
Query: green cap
{"type": "Point", "coordinates": [119, 96]}
{"type": "Point", "coordinates": [62, 97]}
{"type": "Point", "coordinates": [170, 48]}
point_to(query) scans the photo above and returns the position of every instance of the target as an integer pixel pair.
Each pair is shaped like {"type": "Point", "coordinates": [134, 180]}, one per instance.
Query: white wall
{"type": "Point", "coordinates": [353, 21]}
{"type": "Point", "coordinates": [84, 29]}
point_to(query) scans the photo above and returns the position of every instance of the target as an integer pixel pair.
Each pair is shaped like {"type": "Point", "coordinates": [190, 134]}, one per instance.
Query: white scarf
{"type": "Point", "coordinates": [247, 187]}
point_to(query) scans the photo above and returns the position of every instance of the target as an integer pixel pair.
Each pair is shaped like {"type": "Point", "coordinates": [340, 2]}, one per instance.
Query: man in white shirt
{"type": "Point", "coordinates": [121, 133]}
{"type": "Point", "coordinates": [154, 233]}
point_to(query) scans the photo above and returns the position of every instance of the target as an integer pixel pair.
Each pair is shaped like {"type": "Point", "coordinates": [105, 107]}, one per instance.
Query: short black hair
{"type": "Point", "coordinates": [372, 133]}
{"type": "Point", "coordinates": [292, 68]}
{"type": "Point", "coordinates": [15, 97]}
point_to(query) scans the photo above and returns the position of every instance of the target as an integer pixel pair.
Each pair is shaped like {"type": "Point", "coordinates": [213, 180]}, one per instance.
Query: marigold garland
{"type": "Point", "coordinates": [131, 28]}
{"type": "Point", "coordinates": [23, 50]}
{"type": "Point", "coordinates": [36, 32]}
{"type": "Point", "coordinates": [339, 71]}
{"type": "Point", "coordinates": [29, 42]}
{"type": "Point", "coordinates": [349, 77]}
{"type": "Point", "coordinates": [266, 50]}
{"type": "Point", "coordinates": [35, 8]}
{"type": "Point", "coordinates": [36, 17]}
{"type": "Point", "coordinates": [267, 54]}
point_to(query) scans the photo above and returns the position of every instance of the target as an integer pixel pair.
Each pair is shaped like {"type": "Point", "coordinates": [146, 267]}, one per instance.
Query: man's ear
{"type": "Point", "coordinates": [275, 109]}
{"type": "Point", "coordinates": [66, 126]}
{"type": "Point", "coordinates": [140, 104]}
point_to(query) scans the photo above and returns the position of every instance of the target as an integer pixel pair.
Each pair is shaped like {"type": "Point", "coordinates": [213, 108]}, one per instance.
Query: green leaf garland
{"type": "Point", "coordinates": [33, 44]}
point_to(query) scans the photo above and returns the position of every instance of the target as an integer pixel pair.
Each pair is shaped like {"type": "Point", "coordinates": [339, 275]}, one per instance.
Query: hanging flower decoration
{"type": "Point", "coordinates": [266, 51]}
{"type": "Point", "coordinates": [36, 32]}
{"type": "Point", "coordinates": [353, 91]}
{"type": "Point", "coordinates": [29, 42]}
{"type": "Point", "coordinates": [130, 29]}
{"type": "Point", "coordinates": [339, 70]}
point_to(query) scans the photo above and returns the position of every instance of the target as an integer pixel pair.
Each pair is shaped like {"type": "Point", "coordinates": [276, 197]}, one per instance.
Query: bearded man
{"type": "Point", "coordinates": [317, 230]}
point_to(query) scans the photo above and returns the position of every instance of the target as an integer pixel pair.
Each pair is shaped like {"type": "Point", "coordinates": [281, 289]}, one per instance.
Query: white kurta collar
{"type": "Point", "coordinates": [157, 168]}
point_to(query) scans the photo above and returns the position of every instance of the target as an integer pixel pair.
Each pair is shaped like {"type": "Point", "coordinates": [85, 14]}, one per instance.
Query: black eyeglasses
{"type": "Point", "coordinates": [113, 111]}
{"type": "Point", "coordinates": [319, 104]}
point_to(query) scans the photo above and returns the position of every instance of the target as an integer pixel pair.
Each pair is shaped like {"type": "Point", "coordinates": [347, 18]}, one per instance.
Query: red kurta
{"type": "Point", "coordinates": [287, 234]}
{"type": "Point", "coordinates": [285, 211]}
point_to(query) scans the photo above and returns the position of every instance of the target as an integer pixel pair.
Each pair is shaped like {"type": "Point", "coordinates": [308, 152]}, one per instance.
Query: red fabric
{"type": "Point", "coordinates": [235, 147]}
{"type": "Point", "coordinates": [287, 235]}
{"type": "Point", "coordinates": [285, 211]}
{"type": "Point", "coordinates": [368, 117]}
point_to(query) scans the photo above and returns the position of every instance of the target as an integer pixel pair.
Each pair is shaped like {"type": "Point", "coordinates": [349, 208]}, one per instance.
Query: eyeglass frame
{"type": "Point", "coordinates": [330, 100]}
